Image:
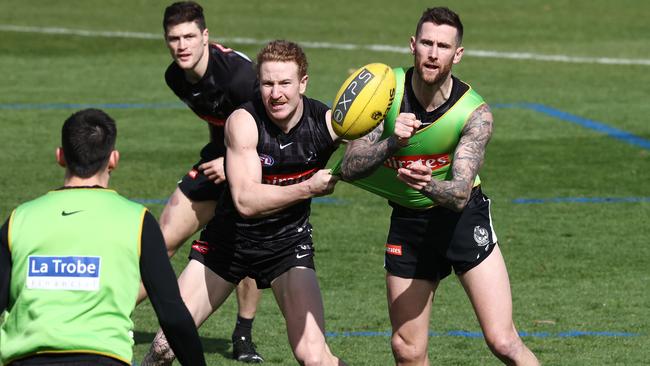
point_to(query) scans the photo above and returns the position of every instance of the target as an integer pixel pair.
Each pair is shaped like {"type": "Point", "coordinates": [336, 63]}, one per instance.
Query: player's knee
{"type": "Point", "coordinates": [405, 351]}
{"type": "Point", "coordinates": [172, 236]}
{"type": "Point", "coordinates": [505, 346]}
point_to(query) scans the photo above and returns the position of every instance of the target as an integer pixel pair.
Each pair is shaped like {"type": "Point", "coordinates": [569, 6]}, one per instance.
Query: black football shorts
{"type": "Point", "coordinates": [67, 359]}
{"type": "Point", "coordinates": [235, 259]}
{"type": "Point", "coordinates": [195, 185]}
{"type": "Point", "coordinates": [427, 244]}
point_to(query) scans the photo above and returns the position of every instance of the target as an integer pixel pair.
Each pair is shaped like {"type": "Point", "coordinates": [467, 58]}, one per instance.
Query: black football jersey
{"type": "Point", "coordinates": [230, 80]}
{"type": "Point", "coordinates": [410, 103]}
{"type": "Point", "coordinates": [286, 158]}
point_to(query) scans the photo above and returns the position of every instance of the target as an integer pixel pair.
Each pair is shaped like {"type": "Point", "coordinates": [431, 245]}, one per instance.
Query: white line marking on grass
{"type": "Point", "coordinates": [558, 58]}
{"type": "Point", "coordinates": [335, 46]}
{"type": "Point", "coordinates": [78, 32]}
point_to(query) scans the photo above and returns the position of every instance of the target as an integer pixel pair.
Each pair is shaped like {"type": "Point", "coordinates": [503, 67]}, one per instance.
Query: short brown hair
{"type": "Point", "coordinates": [182, 12]}
{"type": "Point", "coordinates": [283, 51]}
{"type": "Point", "coordinates": [441, 15]}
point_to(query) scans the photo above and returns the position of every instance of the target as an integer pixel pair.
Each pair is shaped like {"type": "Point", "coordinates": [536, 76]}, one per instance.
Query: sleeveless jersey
{"type": "Point", "coordinates": [230, 80]}
{"type": "Point", "coordinates": [75, 275]}
{"type": "Point", "coordinates": [286, 159]}
{"type": "Point", "coordinates": [432, 145]}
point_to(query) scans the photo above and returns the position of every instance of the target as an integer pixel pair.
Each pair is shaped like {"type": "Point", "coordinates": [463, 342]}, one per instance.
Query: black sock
{"type": "Point", "coordinates": [243, 328]}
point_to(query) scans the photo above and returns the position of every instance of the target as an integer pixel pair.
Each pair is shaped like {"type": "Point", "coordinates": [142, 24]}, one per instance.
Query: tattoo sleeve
{"type": "Point", "coordinates": [365, 154]}
{"type": "Point", "coordinates": [467, 161]}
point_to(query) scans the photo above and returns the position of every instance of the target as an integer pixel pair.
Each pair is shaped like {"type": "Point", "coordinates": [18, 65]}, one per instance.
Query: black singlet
{"type": "Point", "coordinates": [286, 159]}
{"type": "Point", "coordinates": [230, 80]}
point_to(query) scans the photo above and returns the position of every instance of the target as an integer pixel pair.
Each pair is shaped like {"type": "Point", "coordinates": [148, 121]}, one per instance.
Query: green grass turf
{"type": "Point", "coordinates": [573, 266]}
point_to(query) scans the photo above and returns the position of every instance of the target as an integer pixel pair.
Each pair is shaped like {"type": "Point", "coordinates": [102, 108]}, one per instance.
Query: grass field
{"type": "Point", "coordinates": [568, 168]}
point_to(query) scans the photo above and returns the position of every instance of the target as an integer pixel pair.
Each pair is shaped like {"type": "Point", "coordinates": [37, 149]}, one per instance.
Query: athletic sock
{"type": "Point", "coordinates": [243, 328]}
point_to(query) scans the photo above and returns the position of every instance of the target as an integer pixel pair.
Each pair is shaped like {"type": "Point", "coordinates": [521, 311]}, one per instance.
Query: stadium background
{"type": "Point", "coordinates": [567, 169]}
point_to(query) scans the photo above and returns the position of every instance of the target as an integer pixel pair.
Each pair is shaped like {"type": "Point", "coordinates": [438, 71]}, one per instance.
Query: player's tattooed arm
{"type": "Point", "coordinates": [468, 159]}
{"type": "Point", "coordinates": [366, 153]}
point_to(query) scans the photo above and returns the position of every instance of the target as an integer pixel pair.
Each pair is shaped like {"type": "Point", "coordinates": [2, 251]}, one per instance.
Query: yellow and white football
{"type": "Point", "coordinates": [363, 101]}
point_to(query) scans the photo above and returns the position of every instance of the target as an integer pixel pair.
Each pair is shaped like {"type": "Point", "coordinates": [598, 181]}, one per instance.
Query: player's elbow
{"type": "Point", "coordinates": [458, 205]}
{"type": "Point", "coordinates": [459, 202]}
{"type": "Point", "coordinates": [247, 212]}
{"type": "Point", "coordinates": [245, 208]}
{"type": "Point", "coordinates": [245, 201]}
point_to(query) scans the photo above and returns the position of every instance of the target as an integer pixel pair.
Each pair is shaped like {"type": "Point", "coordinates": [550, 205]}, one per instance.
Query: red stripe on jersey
{"type": "Point", "coordinates": [288, 179]}
{"type": "Point", "coordinates": [213, 120]}
{"type": "Point", "coordinates": [394, 249]}
{"type": "Point", "coordinates": [221, 47]}
{"type": "Point", "coordinates": [433, 161]}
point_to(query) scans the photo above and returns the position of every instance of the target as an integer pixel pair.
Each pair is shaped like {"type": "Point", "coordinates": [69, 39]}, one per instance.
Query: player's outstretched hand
{"type": "Point", "coordinates": [406, 125]}
{"type": "Point", "coordinates": [213, 169]}
{"type": "Point", "coordinates": [416, 175]}
{"type": "Point", "coordinates": [322, 182]}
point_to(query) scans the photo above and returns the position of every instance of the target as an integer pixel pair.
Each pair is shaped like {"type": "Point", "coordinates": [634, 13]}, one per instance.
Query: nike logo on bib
{"type": "Point", "coordinates": [63, 213]}
{"type": "Point", "coordinates": [283, 146]}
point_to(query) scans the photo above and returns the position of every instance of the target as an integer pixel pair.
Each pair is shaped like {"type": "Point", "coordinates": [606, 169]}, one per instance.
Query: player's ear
{"type": "Point", "coordinates": [412, 45]}
{"type": "Point", "coordinates": [458, 54]}
{"type": "Point", "coordinates": [60, 157]}
{"type": "Point", "coordinates": [113, 160]}
{"type": "Point", "coordinates": [206, 36]}
{"type": "Point", "coordinates": [303, 84]}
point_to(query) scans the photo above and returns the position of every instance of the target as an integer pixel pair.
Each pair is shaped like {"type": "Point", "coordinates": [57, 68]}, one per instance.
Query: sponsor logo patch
{"type": "Point", "coordinates": [80, 273]}
{"type": "Point", "coordinates": [346, 99]}
{"type": "Point", "coordinates": [288, 179]}
{"type": "Point", "coordinates": [481, 236]}
{"type": "Point", "coordinates": [64, 213]}
{"type": "Point", "coordinates": [303, 250]}
{"type": "Point", "coordinates": [394, 249]}
{"type": "Point", "coordinates": [266, 160]}
{"type": "Point", "coordinates": [433, 161]}
{"type": "Point", "coordinates": [200, 246]}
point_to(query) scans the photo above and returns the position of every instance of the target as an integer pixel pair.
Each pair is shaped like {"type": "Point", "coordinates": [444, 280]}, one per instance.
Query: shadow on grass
{"type": "Point", "coordinates": [210, 345]}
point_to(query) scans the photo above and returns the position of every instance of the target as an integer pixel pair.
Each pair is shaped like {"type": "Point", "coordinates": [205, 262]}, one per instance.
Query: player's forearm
{"type": "Point", "coordinates": [261, 200]}
{"type": "Point", "coordinates": [468, 159]}
{"type": "Point", "coordinates": [454, 194]}
{"type": "Point", "coordinates": [450, 194]}
{"type": "Point", "coordinates": [362, 158]}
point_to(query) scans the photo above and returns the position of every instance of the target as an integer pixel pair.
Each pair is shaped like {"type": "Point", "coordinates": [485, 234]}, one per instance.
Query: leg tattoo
{"type": "Point", "coordinates": [160, 353]}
